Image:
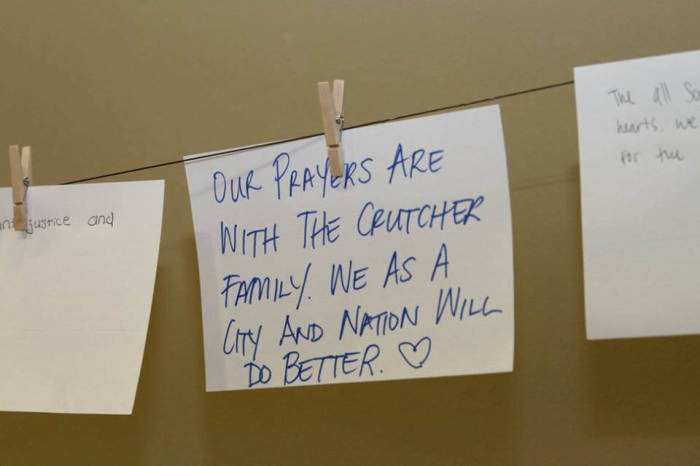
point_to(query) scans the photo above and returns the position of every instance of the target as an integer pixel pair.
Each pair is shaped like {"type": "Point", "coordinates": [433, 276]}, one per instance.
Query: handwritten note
{"type": "Point", "coordinates": [639, 136]}
{"type": "Point", "coordinates": [401, 268]}
{"type": "Point", "coordinates": [76, 296]}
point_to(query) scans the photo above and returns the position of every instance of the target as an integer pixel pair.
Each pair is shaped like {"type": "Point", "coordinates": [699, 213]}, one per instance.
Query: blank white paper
{"type": "Point", "coordinates": [76, 296]}
{"type": "Point", "coordinates": [639, 140]}
{"type": "Point", "coordinates": [402, 268]}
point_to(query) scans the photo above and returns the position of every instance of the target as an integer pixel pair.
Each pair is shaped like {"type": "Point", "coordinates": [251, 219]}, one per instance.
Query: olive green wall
{"type": "Point", "coordinates": [97, 87]}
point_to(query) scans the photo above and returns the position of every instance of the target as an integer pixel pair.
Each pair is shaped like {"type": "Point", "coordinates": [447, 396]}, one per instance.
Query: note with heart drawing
{"type": "Point", "coordinates": [401, 268]}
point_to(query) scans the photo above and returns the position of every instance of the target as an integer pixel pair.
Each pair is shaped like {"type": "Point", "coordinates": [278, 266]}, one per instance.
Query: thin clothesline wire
{"type": "Point", "coordinates": [399, 117]}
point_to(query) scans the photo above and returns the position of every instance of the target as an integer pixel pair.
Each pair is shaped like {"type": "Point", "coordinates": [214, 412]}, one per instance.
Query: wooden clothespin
{"type": "Point", "coordinates": [333, 119]}
{"type": "Point", "coordinates": [20, 177]}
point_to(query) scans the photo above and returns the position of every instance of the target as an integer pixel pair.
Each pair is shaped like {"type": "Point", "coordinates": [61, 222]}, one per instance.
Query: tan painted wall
{"type": "Point", "coordinates": [97, 87]}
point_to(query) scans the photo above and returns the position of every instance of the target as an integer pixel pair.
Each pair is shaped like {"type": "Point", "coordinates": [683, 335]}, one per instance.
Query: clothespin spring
{"type": "Point", "coordinates": [26, 182]}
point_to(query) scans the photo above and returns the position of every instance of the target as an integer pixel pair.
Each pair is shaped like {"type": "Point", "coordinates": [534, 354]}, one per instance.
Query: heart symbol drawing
{"type": "Point", "coordinates": [415, 354]}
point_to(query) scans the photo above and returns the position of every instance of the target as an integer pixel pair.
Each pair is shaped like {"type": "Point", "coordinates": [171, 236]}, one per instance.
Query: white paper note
{"type": "Point", "coordinates": [639, 137]}
{"type": "Point", "coordinates": [76, 296]}
{"type": "Point", "coordinates": [400, 269]}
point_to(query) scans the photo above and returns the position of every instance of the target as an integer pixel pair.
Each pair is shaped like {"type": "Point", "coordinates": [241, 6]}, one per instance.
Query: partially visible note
{"type": "Point", "coordinates": [75, 296]}
{"type": "Point", "coordinates": [639, 139]}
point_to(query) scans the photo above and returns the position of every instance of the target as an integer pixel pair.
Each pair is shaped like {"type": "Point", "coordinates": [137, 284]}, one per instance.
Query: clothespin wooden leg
{"type": "Point", "coordinates": [21, 176]}
{"type": "Point", "coordinates": [333, 119]}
